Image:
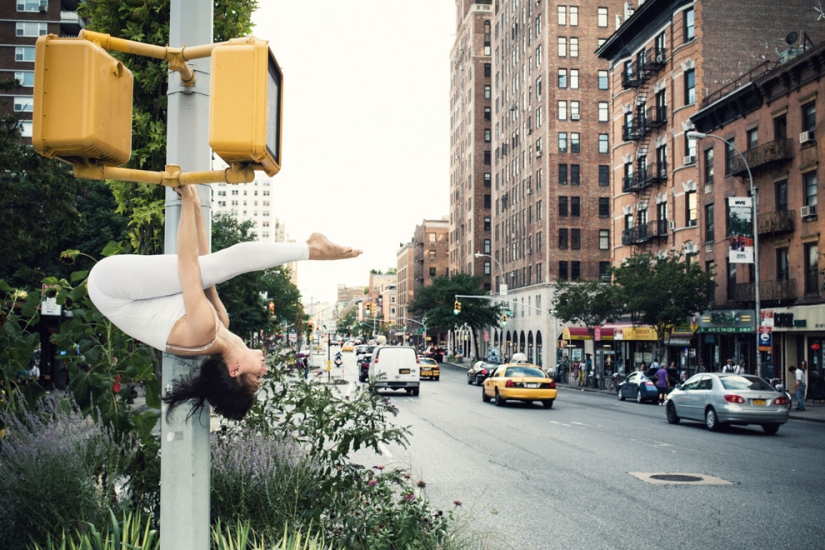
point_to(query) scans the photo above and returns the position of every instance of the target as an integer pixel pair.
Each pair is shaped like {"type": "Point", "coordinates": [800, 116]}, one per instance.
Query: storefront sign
{"type": "Point", "coordinates": [638, 333]}
{"type": "Point", "coordinates": [727, 321]}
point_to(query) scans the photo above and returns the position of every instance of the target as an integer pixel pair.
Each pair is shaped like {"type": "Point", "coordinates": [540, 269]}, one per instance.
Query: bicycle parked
{"type": "Point", "coordinates": [614, 381]}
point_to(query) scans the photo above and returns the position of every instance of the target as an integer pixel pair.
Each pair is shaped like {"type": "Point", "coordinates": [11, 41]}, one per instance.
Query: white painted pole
{"type": "Point", "coordinates": [185, 452]}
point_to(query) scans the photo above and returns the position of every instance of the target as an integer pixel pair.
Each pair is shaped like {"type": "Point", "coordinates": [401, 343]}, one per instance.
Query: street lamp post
{"type": "Point", "coordinates": [757, 304]}
{"type": "Point", "coordinates": [502, 286]}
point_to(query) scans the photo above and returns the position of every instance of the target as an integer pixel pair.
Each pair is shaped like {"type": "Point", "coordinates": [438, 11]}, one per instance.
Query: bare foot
{"type": "Point", "coordinates": [321, 248]}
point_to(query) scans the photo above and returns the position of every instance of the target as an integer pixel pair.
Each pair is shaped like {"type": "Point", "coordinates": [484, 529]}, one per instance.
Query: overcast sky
{"type": "Point", "coordinates": [366, 126]}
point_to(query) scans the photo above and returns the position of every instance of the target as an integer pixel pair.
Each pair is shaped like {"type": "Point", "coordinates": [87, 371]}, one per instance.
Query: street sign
{"type": "Point", "coordinates": [49, 306]}
{"type": "Point", "coordinates": [293, 337]}
{"type": "Point", "coordinates": [767, 318]}
{"type": "Point", "coordinates": [765, 338]}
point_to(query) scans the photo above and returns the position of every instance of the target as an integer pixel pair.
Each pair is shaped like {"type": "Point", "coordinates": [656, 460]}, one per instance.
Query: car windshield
{"type": "Point", "coordinates": [744, 383]}
{"type": "Point", "coordinates": [525, 371]}
{"type": "Point", "coordinates": [427, 361]}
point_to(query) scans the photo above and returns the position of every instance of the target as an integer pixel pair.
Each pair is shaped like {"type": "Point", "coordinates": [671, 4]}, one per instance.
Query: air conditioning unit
{"type": "Point", "coordinates": [44, 6]}
{"type": "Point", "coordinates": [690, 160]}
{"type": "Point", "coordinates": [575, 116]}
{"type": "Point", "coordinates": [692, 223]}
{"type": "Point", "coordinates": [529, 251]}
{"type": "Point", "coordinates": [529, 191]}
{"type": "Point", "coordinates": [808, 211]}
{"type": "Point", "coordinates": [529, 131]}
{"type": "Point", "coordinates": [538, 153]}
{"type": "Point", "coordinates": [807, 137]}
{"type": "Point", "coordinates": [671, 225]}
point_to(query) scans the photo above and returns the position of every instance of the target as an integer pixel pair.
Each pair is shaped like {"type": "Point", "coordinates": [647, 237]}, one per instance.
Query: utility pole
{"type": "Point", "coordinates": [185, 463]}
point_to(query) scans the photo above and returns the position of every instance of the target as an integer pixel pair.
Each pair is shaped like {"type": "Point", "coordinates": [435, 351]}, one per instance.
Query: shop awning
{"type": "Point", "coordinates": [581, 333]}
{"type": "Point", "coordinates": [626, 331]}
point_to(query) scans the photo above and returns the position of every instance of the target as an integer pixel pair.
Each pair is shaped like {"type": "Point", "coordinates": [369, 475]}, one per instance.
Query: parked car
{"type": "Point", "coordinates": [364, 367]}
{"type": "Point", "coordinates": [362, 349]}
{"type": "Point", "coordinates": [348, 346]}
{"type": "Point", "coordinates": [395, 368]}
{"type": "Point", "coordinates": [479, 372]}
{"type": "Point", "coordinates": [721, 398]}
{"type": "Point", "coordinates": [640, 387]}
{"type": "Point", "coordinates": [520, 382]}
{"type": "Point", "coordinates": [429, 368]}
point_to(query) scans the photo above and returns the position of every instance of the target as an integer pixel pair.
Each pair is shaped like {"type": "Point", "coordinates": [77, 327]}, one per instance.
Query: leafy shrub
{"type": "Point", "coordinates": [57, 471]}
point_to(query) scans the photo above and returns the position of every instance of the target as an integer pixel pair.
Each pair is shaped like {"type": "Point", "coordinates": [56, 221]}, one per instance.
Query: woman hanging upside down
{"type": "Point", "coordinates": [169, 302]}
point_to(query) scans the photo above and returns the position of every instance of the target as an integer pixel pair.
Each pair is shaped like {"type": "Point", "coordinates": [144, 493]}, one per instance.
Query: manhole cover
{"type": "Point", "coordinates": [675, 477]}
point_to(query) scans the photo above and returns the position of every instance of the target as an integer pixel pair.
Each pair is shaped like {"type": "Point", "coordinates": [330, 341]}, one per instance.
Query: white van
{"type": "Point", "coordinates": [395, 368]}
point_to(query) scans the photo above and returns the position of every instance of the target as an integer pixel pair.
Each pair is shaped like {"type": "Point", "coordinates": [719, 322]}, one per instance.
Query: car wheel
{"type": "Point", "coordinates": [415, 392]}
{"type": "Point", "coordinates": [620, 395]}
{"type": "Point", "coordinates": [770, 429]}
{"type": "Point", "coordinates": [712, 421]}
{"type": "Point", "coordinates": [484, 396]}
{"type": "Point", "coordinates": [499, 401]}
{"type": "Point", "coordinates": [548, 404]}
{"type": "Point", "coordinates": [437, 378]}
{"type": "Point", "coordinates": [639, 398]}
{"type": "Point", "coordinates": [469, 380]}
{"type": "Point", "coordinates": [672, 417]}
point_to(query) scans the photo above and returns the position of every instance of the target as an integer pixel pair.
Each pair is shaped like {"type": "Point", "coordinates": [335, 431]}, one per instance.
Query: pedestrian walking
{"type": "Point", "coordinates": [662, 384]}
{"type": "Point", "coordinates": [729, 366]}
{"type": "Point", "coordinates": [800, 384]}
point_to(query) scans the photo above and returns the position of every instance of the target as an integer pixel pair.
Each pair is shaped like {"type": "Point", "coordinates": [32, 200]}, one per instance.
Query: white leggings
{"type": "Point", "coordinates": [142, 295]}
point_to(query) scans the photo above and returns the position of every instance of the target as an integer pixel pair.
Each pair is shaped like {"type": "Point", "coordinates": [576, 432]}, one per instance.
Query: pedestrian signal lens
{"type": "Point", "coordinates": [246, 104]}
{"type": "Point", "coordinates": [82, 102]}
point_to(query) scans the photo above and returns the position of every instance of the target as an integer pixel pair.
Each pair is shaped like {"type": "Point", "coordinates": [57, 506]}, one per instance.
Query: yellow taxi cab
{"type": "Point", "coordinates": [519, 382]}
{"type": "Point", "coordinates": [429, 368]}
{"type": "Point", "coordinates": [348, 346]}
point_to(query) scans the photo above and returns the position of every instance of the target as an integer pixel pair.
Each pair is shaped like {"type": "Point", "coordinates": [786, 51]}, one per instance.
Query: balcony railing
{"type": "Point", "coordinates": [762, 157]}
{"type": "Point", "coordinates": [653, 173]}
{"type": "Point", "coordinates": [654, 61]}
{"type": "Point", "coordinates": [630, 76]}
{"type": "Point", "coordinates": [656, 116]}
{"type": "Point", "coordinates": [71, 22]}
{"type": "Point", "coordinates": [776, 223]}
{"type": "Point", "coordinates": [636, 130]}
{"type": "Point", "coordinates": [768, 291]}
{"type": "Point", "coordinates": [643, 233]}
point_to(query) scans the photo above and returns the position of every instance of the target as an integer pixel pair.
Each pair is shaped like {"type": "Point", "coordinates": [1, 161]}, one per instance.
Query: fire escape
{"type": "Point", "coordinates": [639, 127]}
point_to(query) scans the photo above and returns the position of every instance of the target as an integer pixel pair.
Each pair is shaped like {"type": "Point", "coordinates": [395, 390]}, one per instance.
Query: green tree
{"type": "Point", "coordinates": [590, 303]}
{"type": "Point", "coordinates": [662, 292]}
{"type": "Point", "coordinates": [435, 304]}
{"type": "Point", "coordinates": [348, 320]}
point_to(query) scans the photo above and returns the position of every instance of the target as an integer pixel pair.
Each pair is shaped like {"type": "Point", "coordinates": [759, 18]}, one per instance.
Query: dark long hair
{"type": "Point", "coordinates": [231, 397]}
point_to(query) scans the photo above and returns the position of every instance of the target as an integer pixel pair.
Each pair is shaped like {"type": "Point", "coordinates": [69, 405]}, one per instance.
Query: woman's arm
{"type": "Point", "coordinates": [211, 293]}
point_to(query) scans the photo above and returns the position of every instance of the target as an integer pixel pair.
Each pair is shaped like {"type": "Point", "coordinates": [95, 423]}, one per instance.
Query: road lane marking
{"type": "Point", "coordinates": [384, 451]}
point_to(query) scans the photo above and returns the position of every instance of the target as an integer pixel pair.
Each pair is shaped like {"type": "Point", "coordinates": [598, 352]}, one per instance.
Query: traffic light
{"type": "Point", "coordinates": [367, 309]}
{"type": "Point", "coordinates": [82, 102]}
{"type": "Point", "coordinates": [456, 307]}
{"type": "Point", "coordinates": [246, 104]}
{"type": "Point", "coordinates": [310, 327]}
{"type": "Point", "coordinates": [504, 319]}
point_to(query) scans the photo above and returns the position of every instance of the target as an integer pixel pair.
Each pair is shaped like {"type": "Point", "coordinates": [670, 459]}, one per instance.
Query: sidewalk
{"type": "Point", "coordinates": [814, 412]}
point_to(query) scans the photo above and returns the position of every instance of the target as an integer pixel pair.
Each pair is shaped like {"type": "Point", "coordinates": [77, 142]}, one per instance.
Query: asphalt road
{"type": "Point", "coordinates": [534, 478]}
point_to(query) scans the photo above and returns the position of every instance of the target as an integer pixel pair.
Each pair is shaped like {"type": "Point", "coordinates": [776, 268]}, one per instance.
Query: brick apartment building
{"type": "Point", "coordinates": [21, 23]}
{"type": "Point", "coordinates": [665, 60]}
{"type": "Point", "coordinates": [546, 139]}
{"type": "Point", "coordinates": [774, 120]}
{"type": "Point", "coordinates": [431, 259]}
{"type": "Point", "coordinates": [405, 278]}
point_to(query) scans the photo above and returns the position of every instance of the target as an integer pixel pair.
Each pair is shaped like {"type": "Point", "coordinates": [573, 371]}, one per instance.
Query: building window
{"type": "Point", "coordinates": [563, 271]}
{"type": "Point", "coordinates": [731, 280]}
{"type": "Point", "coordinates": [432, 272]}
{"type": "Point", "coordinates": [24, 104]}
{"type": "Point", "coordinates": [486, 268]}
{"type": "Point", "coordinates": [488, 69]}
{"type": "Point", "coordinates": [601, 17]}
{"type": "Point", "coordinates": [603, 81]}
{"type": "Point", "coordinates": [487, 157]}
{"type": "Point", "coordinates": [690, 30]}
{"type": "Point", "coordinates": [809, 181]}
{"type": "Point", "coordinates": [562, 207]}
{"type": "Point", "coordinates": [575, 270]}
{"type": "Point", "coordinates": [690, 87]}
{"type": "Point", "coordinates": [562, 78]}
{"type": "Point", "coordinates": [604, 207]}
{"type": "Point", "coordinates": [488, 202]}
{"type": "Point", "coordinates": [575, 145]}
{"type": "Point", "coordinates": [487, 135]}
{"type": "Point", "coordinates": [562, 46]}
{"type": "Point", "coordinates": [575, 176]}
{"type": "Point", "coordinates": [811, 268]}
{"type": "Point", "coordinates": [603, 271]}
{"type": "Point", "coordinates": [603, 144]}
{"type": "Point", "coordinates": [563, 239]}
{"type": "Point", "coordinates": [690, 148]}
{"type": "Point", "coordinates": [31, 29]}
{"type": "Point", "coordinates": [604, 175]}
{"type": "Point", "coordinates": [562, 174]}
{"type": "Point", "coordinates": [604, 239]}
{"type": "Point", "coordinates": [709, 165]}
{"type": "Point", "coordinates": [628, 221]}
{"type": "Point", "coordinates": [538, 87]}
{"type": "Point", "coordinates": [25, 78]}
{"type": "Point", "coordinates": [486, 246]}
{"type": "Point", "coordinates": [574, 79]}
{"type": "Point", "coordinates": [28, 5]}
{"type": "Point", "coordinates": [487, 224]}
{"type": "Point", "coordinates": [575, 110]}
{"type": "Point", "coordinates": [538, 117]}
{"type": "Point", "coordinates": [538, 57]}
{"type": "Point", "coordinates": [576, 239]}
{"type": "Point", "coordinates": [709, 223]}
{"type": "Point", "coordinates": [562, 142]}
{"type": "Point", "coordinates": [574, 47]}
{"type": "Point", "coordinates": [24, 53]}
{"type": "Point", "coordinates": [603, 106]}
{"type": "Point", "coordinates": [562, 18]}
{"type": "Point", "coordinates": [25, 128]}
{"type": "Point", "coordinates": [783, 269]}
{"type": "Point", "coordinates": [562, 109]}
{"type": "Point", "coordinates": [752, 139]}
{"type": "Point", "coordinates": [538, 26]}
{"type": "Point", "coordinates": [574, 16]}
{"type": "Point", "coordinates": [487, 179]}
{"type": "Point", "coordinates": [809, 117]}
{"type": "Point", "coordinates": [575, 207]}
{"type": "Point", "coordinates": [487, 114]}
{"type": "Point", "coordinates": [487, 91]}
{"type": "Point", "coordinates": [781, 193]}
{"type": "Point", "coordinates": [730, 152]}
{"type": "Point", "coordinates": [690, 210]}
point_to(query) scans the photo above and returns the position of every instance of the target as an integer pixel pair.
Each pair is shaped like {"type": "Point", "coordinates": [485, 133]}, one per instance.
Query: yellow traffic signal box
{"type": "Point", "coordinates": [82, 102]}
{"type": "Point", "coordinates": [246, 104]}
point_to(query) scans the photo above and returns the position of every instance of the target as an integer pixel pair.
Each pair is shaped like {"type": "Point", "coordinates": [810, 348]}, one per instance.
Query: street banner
{"type": "Point", "coordinates": [740, 230]}
{"type": "Point", "coordinates": [49, 306]}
